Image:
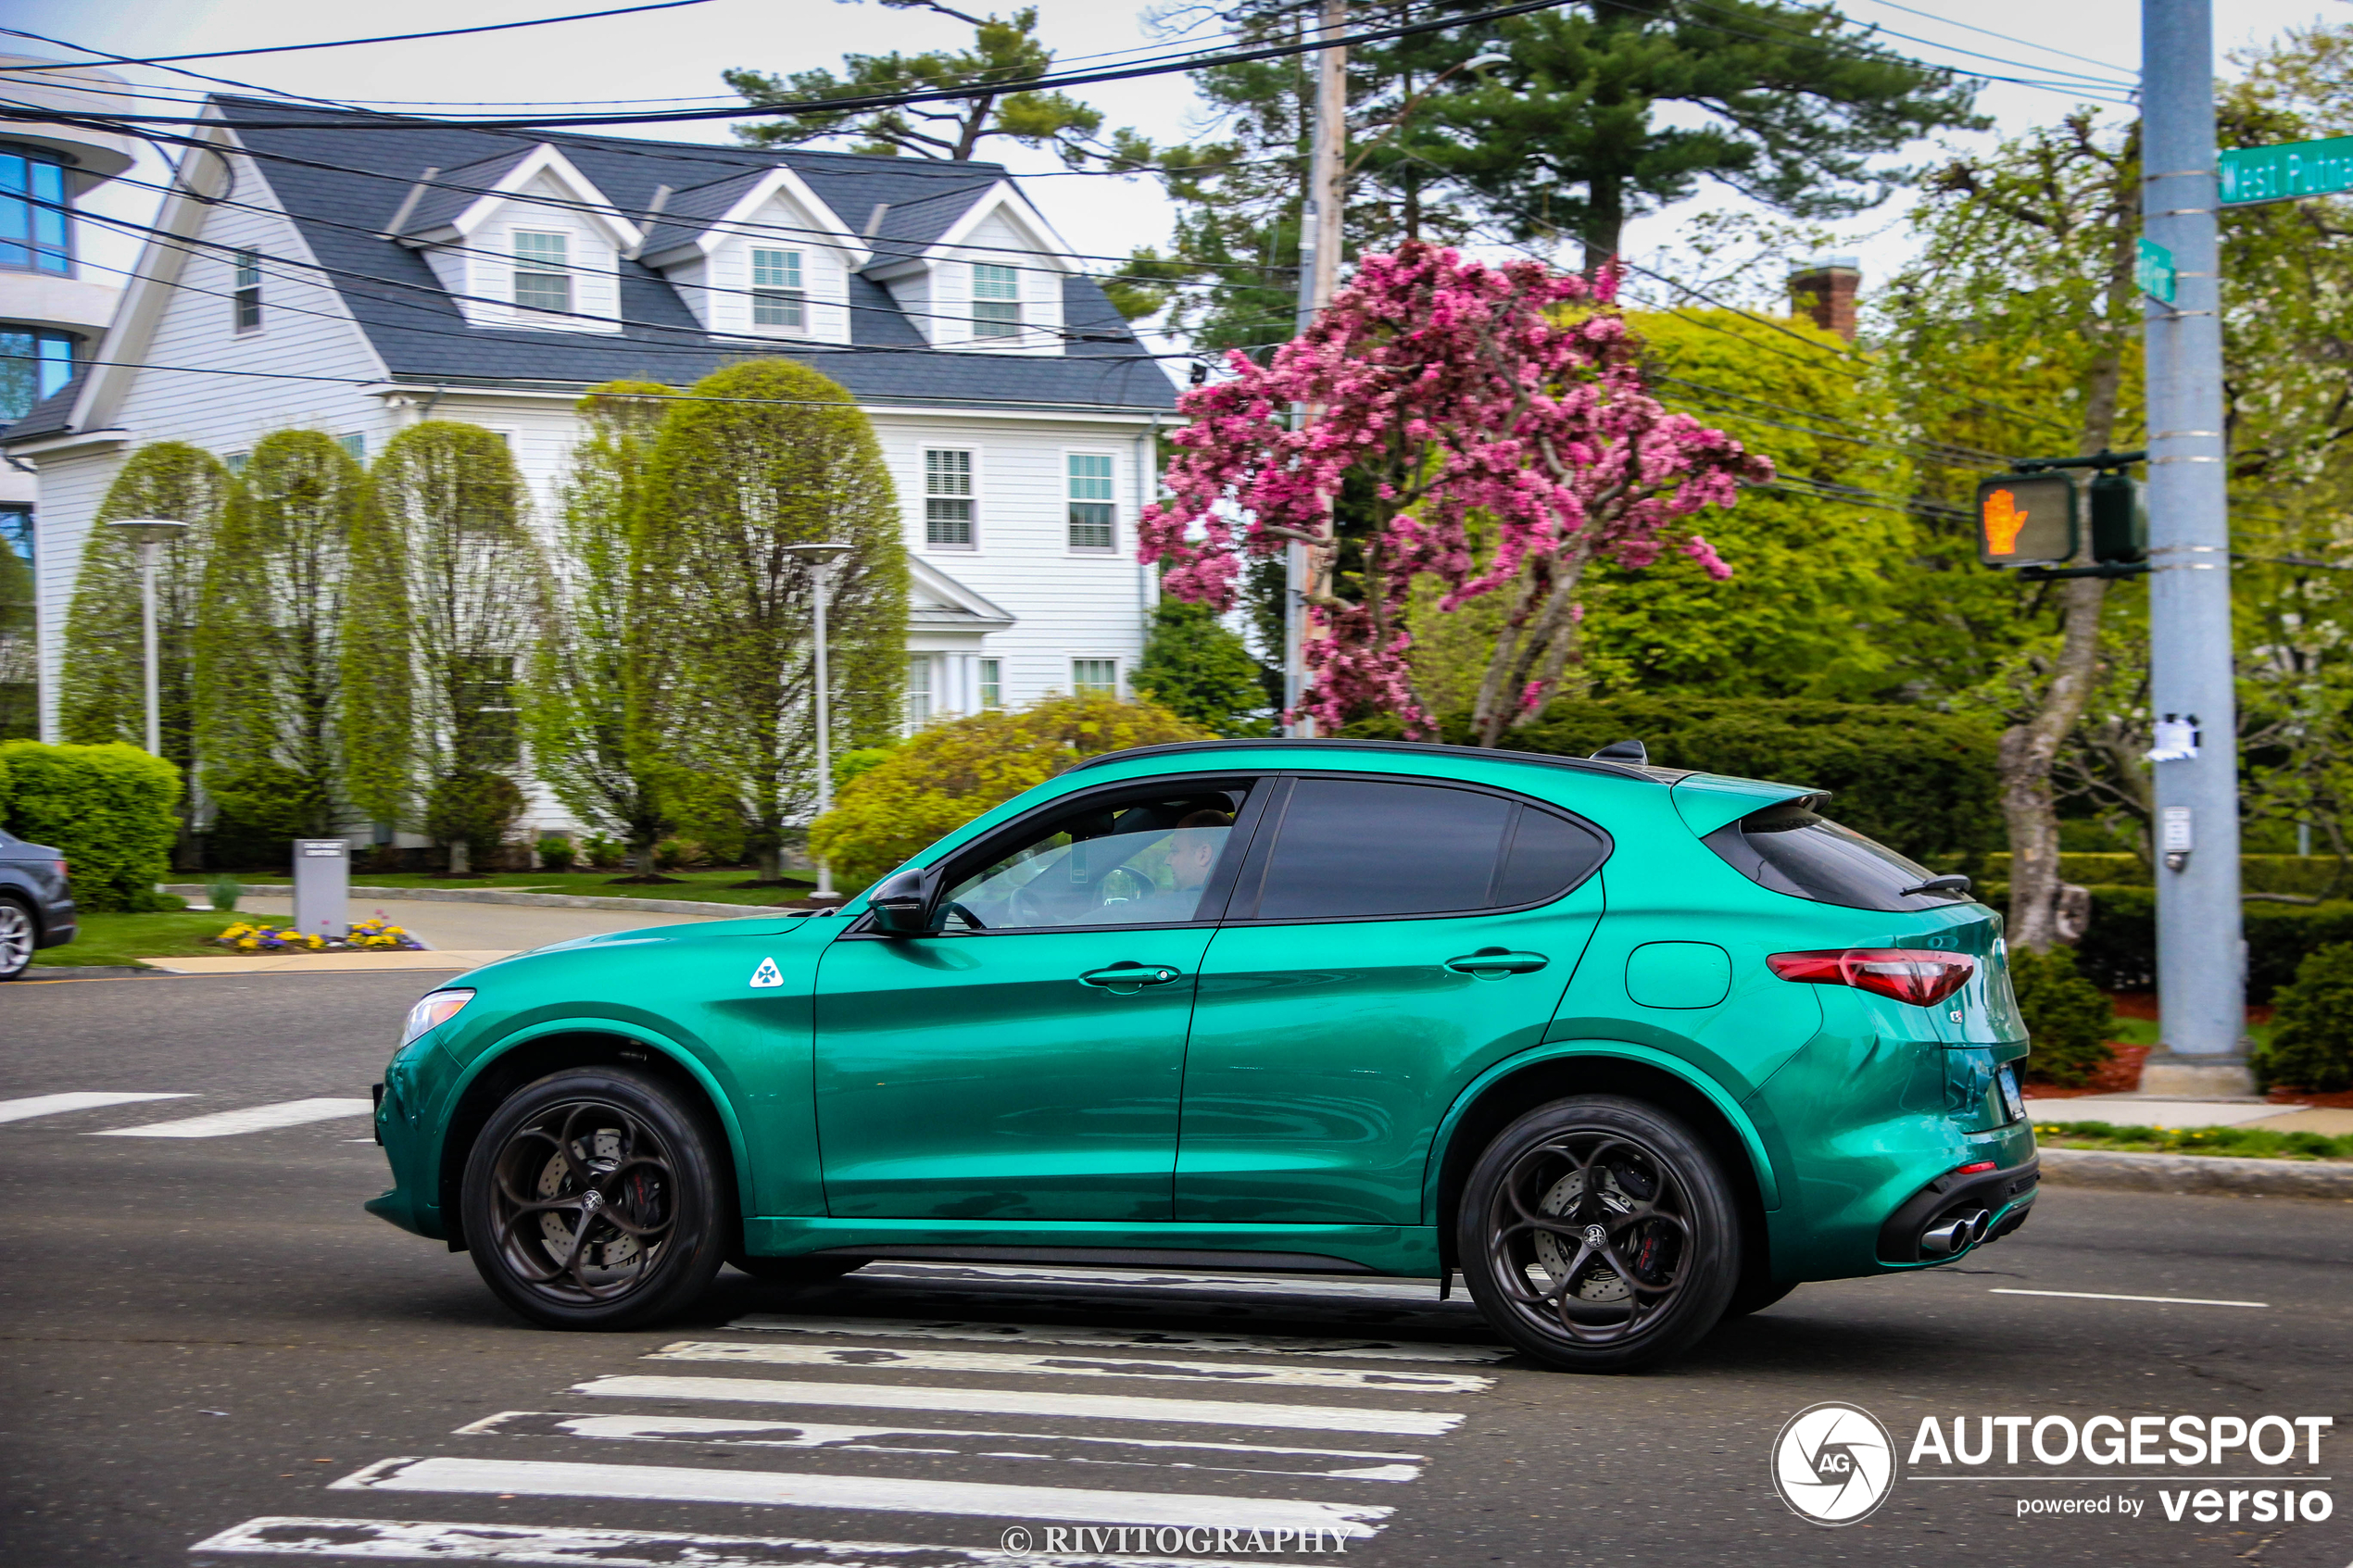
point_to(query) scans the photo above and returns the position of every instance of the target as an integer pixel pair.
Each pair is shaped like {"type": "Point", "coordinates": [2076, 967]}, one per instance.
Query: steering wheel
{"type": "Point", "coordinates": [1122, 884]}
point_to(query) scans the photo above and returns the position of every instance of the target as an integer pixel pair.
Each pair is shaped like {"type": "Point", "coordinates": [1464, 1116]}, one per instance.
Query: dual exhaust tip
{"type": "Point", "coordinates": [1958, 1234]}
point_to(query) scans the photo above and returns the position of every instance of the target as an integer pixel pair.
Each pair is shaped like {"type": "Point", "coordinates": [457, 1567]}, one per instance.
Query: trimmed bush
{"type": "Point", "coordinates": [556, 852]}
{"type": "Point", "coordinates": [2066, 1014]}
{"type": "Point", "coordinates": [2311, 876]}
{"type": "Point", "coordinates": [2311, 1048]}
{"type": "Point", "coordinates": [475, 807]}
{"type": "Point", "coordinates": [113, 809]}
{"type": "Point", "coordinates": [1921, 782]}
{"type": "Point", "coordinates": [2119, 949]}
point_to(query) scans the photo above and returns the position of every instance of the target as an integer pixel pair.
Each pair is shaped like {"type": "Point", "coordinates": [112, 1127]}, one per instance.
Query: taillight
{"type": "Point", "coordinates": [65, 869]}
{"type": "Point", "coordinates": [1906, 974]}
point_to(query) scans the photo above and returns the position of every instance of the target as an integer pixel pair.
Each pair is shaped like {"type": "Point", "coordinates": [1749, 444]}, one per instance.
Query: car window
{"type": "Point", "coordinates": [1349, 849]}
{"type": "Point", "coordinates": [1790, 850]}
{"type": "Point", "coordinates": [1138, 862]}
{"type": "Point", "coordinates": [1549, 856]}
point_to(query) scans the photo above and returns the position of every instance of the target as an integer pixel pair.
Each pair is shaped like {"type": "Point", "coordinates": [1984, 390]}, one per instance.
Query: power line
{"type": "Point", "coordinates": [347, 43]}
{"type": "Point", "coordinates": [2125, 71]}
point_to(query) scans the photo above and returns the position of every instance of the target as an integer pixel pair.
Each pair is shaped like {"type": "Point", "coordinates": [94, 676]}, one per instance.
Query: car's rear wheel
{"type": "Point", "coordinates": [593, 1199]}
{"type": "Point", "coordinates": [17, 934]}
{"type": "Point", "coordinates": [1598, 1234]}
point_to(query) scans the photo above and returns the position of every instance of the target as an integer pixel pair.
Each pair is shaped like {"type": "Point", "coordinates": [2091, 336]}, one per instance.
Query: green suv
{"type": "Point", "coordinates": [1631, 1049]}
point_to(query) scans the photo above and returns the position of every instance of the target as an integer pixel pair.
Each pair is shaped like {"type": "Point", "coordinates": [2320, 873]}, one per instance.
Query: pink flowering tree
{"type": "Point", "coordinates": [1505, 400]}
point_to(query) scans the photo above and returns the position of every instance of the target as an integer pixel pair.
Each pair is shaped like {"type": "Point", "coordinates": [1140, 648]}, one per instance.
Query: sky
{"type": "Point", "coordinates": [679, 54]}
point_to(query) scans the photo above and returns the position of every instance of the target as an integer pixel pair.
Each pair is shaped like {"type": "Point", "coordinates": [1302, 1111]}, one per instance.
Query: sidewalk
{"type": "Point", "coordinates": [462, 935]}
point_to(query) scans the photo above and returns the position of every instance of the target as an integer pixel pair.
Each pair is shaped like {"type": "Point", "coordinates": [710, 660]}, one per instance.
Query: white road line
{"type": "Point", "coordinates": [887, 1494]}
{"type": "Point", "coordinates": [1123, 1338]}
{"type": "Point", "coordinates": [2095, 1295]}
{"type": "Point", "coordinates": [1246, 1459]}
{"type": "Point", "coordinates": [450, 1541]}
{"type": "Point", "coordinates": [253, 1119]}
{"type": "Point", "coordinates": [58, 1105]}
{"type": "Point", "coordinates": [1025, 1401]}
{"type": "Point", "coordinates": [1423, 1291]}
{"type": "Point", "coordinates": [870, 1355]}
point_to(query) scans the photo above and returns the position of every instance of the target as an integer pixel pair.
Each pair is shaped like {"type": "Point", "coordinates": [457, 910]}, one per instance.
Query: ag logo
{"type": "Point", "coordinates": [766, 975]}
{"type": "Point", "coordinates": [1833, 1463]}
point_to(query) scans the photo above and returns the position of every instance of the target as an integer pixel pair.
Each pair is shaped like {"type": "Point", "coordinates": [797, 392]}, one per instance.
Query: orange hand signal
{"type": "Point", "coordinates": [2003, 522]}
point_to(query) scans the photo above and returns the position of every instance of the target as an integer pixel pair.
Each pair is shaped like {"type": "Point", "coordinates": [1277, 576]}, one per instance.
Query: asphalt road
{"type": "Point", "coordinates": [206, 1332]}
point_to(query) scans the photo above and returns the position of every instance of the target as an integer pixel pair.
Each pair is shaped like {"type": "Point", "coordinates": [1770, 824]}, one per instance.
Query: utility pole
{"type": "Point", "coordinates": [1319, 246]}
{"type": "Point", "coordinates": [2201, 963]}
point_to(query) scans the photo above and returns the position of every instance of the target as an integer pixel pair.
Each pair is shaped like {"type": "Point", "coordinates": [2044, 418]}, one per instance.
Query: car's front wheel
{"type": "Point", "coordinates": [592, 1199]}
{"type": "Point", "coordinates": [1599, 1233]}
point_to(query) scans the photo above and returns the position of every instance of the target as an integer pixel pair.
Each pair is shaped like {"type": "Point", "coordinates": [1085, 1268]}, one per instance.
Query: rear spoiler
{"type": "Point", "coordinates": [1707, 801]}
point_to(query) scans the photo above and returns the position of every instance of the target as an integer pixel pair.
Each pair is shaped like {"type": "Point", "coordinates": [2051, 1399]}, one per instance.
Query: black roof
{"type": "Point", "coordinates": [342, 186]}
{"type": "Point", "coordinates": [1404, 747]}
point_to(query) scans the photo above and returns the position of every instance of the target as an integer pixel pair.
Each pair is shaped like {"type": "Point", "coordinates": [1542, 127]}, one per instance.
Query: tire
{"type": "Point", "coordinates": [797, 1271]}
{"type": "Point", "coordinates": [18, 931]}
{"type": "Point", "coordinates": [597, 1198]}
{"type": "Point", "coordinates": [1599, 1275]}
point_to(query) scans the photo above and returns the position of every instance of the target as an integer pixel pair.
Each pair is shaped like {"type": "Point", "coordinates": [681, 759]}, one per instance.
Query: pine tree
{"type": "Point", "coordinates": [1202, 673]}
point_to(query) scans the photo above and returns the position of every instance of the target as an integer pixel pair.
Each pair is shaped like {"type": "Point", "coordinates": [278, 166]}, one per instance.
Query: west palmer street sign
{"type": "Point", "coordinates": [2286, 171]}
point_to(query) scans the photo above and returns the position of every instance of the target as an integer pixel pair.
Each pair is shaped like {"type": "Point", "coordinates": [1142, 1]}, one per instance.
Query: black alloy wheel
{"type": "Point", "coordinates": [1598, 1234]}
{"type": "Point", "coordinates": [595, 1199]}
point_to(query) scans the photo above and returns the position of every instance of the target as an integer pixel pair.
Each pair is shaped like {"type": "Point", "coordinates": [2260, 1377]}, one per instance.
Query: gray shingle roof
{"type": "Point", "coordinates": [342, 185]}
{"type": "Point", "coordinates": [439, 204]}
{"type": "Point", "coordinates": [688, 213]}
{"type": "Point", "coordinates": [48, 417]}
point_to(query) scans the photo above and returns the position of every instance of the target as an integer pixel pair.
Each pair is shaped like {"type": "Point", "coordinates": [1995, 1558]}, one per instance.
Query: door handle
{"type": "Point", "coordinates": [1127, 979]}
{"type": "Point", "coordinates": [1495, 960]}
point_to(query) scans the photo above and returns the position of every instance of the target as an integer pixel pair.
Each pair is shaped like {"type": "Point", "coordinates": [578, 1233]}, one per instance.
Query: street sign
{"type": "Point", "coordinates": [2285, 172]}
{"type": "Point", "coordinates": [2026, 520]}
{"type": "Point", "coordinates": [2153, 271]}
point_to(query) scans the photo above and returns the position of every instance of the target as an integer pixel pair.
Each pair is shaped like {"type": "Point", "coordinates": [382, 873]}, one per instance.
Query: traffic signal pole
{"type": "Point", "coordinates": [2201, 962]}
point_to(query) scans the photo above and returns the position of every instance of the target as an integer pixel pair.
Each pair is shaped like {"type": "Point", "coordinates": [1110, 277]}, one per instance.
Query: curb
{"type": "Point", "coordinates": [500, 896]}
{"type": "Point", "coordinates": [35, 973]}
{"type": "Point", "coordinates": [2198, 1174]}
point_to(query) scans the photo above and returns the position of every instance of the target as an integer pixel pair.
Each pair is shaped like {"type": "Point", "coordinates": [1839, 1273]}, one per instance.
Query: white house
{"type": "Point", "coordinates": [333, 271]}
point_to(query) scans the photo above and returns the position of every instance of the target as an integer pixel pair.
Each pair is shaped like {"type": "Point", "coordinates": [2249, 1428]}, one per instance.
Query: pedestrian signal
{"type": "Point", "coordinates": [2026, 520]}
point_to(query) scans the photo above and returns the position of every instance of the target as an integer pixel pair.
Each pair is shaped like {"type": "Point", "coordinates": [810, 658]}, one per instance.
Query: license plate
{"type": "Point", "coordinates": [2012, 1102]}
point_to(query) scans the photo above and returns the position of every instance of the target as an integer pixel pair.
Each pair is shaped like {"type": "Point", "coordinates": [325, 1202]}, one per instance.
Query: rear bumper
{"type": "Point", "coordinates": [1994, 1203]}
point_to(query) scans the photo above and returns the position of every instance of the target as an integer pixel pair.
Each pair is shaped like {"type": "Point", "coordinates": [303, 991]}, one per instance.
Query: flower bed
{"type": "Point", "coordinates": [2245, 1142]}
{"type": "Point", "coordinates": [257, 936]}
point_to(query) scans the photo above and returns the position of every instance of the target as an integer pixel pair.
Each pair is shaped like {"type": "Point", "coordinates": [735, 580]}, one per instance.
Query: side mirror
{"type": "Point", "coordinates": [902, 905]}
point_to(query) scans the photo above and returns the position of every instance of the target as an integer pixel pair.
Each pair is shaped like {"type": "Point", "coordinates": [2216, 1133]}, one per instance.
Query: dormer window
{"type": "Point", "coordinates": [543, 271]}
{"type": "Point", "coordinates": [778, 296]}
{"type": "Point", "coordinates": [996, 300]}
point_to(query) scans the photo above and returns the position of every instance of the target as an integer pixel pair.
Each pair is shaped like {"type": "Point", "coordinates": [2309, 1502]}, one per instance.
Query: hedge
{"type": "Point", "coordinates": [1921, 781]}
{"type": "Point", "coordinates": [2119, 949]}
{"type": "Point", "coordinates": [112, 809]}
{"type": "Point", "coordinates": [2310, 875]}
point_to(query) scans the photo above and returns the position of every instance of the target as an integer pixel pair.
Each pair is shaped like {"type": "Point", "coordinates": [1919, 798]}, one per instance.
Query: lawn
{"type": "Point", "coordinates": [2245, 1141]}
{"type": "Point", "coordinates": [120, 939]}
{"type": "Point", "coordinates": [702, 887]}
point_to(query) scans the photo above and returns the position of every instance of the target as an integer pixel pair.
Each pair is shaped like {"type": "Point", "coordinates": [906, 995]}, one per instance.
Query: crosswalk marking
{"type": "Point", "coordinates": [874, 1493]}
{"type": "Point", "coordinates": [1247, 1459]}
{"type": "Point", "coordinates": [1156, 1371]}
{"type": "Point", "coordinates": [253, 1119]}
{"type": "Point", "coordinates": [453, 1542]}
{"type": "Point", "coordinates": [1025, 1401]}
{"type": "Point", "coordinates": [1123, 1338]}
{"type": "Point", "coordinates": [1423, 1292]}
{"type": "Point", "coordinates": [58, 1105]}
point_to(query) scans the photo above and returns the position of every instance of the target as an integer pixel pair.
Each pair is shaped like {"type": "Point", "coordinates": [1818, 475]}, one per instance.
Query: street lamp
{"type": "Point", "coordinates": [150, 533]}
{"type": "Point", "coordinates": [821, 559]}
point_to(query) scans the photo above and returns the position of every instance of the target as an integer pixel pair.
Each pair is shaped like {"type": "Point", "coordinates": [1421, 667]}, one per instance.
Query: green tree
{"type": "Point", "coordinates": [2067, 1016]}
{"type": "Point", "coordinates": [949, 772]}
{"type": "Point", "coordinates": [590, 676]}
{"type": "Point", "coordinates": [2311, 1048]}
{"type": "Point", "coordinates": [102, 696]}
{"type": "Point", "coordinates": [779, 457]}
{"type": "Point", "coordinates": [1200, 672]}
{"type": "Point", "coordinates": [1003, 50]}
{"type": "Point", "coordinates": [447, 597]}
{"type": "Point", "coordinates": [268, 656]}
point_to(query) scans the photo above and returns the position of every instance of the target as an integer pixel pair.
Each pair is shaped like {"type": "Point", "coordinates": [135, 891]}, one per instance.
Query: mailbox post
{"type": "Point", "coordinates": [321, 886]}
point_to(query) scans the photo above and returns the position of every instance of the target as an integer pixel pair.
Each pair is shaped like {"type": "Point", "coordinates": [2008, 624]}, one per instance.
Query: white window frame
{"type": "Point", "coordinates": [972, 499]}
{"type": "Point", "coordinates": [245, 290]}
{"type": "Point", "coordinates": [791, 297]}
{"type": "Point", "coordinates": [928, 695]}
{"type": "Point", "coordinates": [1096, 552]}
{"type": "Point", "coordinates": [989, 683]}
{"type": "Point", "coordinates": [999, 328]}
{"type": "Point", "coordinates": [565, 270]}
{"type": "Point", "coordinates": [1118, 676]}
{"type": "Point", "coordinates": [354, 443]}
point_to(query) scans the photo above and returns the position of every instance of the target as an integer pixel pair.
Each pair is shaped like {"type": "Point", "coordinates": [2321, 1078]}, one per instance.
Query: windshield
{"type": "Point", "coordinates": [1792, 849]}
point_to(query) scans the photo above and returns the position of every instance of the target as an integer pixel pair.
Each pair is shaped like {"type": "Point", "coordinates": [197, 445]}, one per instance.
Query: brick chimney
{"type": "Point", "coordinates": [1824, 292]}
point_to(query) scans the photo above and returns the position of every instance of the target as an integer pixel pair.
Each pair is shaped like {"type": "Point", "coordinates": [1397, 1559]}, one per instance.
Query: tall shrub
{"type": "Point", "coordinates": [2067, 1017]}
{"type": "Point", "coordinates": [2311, 1047]}
{"type": "Point", "coordinates": [779, 457]}
{"type": "Point", "coordinates": [593, 669]}
{"type": "Point", "coordinates": [112, 808]}
{"type": "Point", "coordinates": [949, 772]}
{"type": "Point", "coordinates": [102, 692]}
{"type": "Point", "coordinates": [447, 597]}
{"type": "Point", "coordinates": [268, 654]}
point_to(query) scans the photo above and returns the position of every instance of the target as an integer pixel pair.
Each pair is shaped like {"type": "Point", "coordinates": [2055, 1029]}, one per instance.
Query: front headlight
{"type": "Point", "coordinates": [433, 1009]}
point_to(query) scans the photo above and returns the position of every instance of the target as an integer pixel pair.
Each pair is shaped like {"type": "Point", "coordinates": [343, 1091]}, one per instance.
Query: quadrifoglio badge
{"type": "Point", "coordinates": [1835, 1463]}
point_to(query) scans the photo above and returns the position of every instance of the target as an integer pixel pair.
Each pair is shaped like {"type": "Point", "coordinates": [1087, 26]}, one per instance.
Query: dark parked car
{"type": "Point", "coordinates": [36, 902]}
